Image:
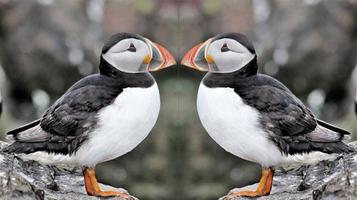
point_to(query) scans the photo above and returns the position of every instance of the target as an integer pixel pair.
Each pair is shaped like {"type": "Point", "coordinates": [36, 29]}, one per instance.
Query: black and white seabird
{"type": "Point", "coordinates": [102, 116]}
{"type": "Point", "coordinates": [251, 115]}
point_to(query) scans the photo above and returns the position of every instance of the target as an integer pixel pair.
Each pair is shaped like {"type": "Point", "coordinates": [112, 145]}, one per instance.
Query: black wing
{"type": "Point", "coordinates": [291, 124]}
{"type": "Point", "coordinates": [75, 112]}
{"type": "Point", "coordinates": [64, 125]}
{"type": "Point", "coordinates": [282, 113]}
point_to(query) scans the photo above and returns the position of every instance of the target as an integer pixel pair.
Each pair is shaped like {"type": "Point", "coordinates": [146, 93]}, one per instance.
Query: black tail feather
{"type": "Point", "coordinates": [31, 147]}
{"type": "Point", "coordinates": [23, 128]}
{"type": "Point", "coordinates": [333, 128]}
{"type": "Point", "coordinates": [336, 147]}
{"type": "Point", "coordinates": [23, 147]}
{"type": "Point", "coordinates": [306, 147]}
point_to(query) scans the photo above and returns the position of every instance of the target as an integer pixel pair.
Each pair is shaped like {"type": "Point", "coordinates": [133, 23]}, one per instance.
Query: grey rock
{"type": "Point", "coordinates": [25, 180]}
{"type": "Point", "coordinates": [327, 180]}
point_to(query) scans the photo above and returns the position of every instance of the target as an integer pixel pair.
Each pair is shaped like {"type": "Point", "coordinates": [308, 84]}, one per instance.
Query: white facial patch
{"type": "Point", "coordinates": [228, 61]}
{"type": "Point", "coordinates": [128, 61]}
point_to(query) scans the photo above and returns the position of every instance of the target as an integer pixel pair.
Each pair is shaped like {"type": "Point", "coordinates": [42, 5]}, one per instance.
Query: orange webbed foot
{"type": "Point", "coordinates": [263, 189]}
{"type": "Point", "coordinates": [93, 189]}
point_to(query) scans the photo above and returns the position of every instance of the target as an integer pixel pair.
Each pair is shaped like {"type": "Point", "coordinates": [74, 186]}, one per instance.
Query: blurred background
{"type": "Point", "coordinates": [47, 45]}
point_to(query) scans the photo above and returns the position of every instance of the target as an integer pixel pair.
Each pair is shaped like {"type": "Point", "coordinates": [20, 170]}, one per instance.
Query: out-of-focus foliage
{"type": "Point", "coordinates": [47, 45]}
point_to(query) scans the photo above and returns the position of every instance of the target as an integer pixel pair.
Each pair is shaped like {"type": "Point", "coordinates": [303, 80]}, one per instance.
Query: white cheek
{"type": "Point", "coordinates": [226, 59]}
{"type": "Point", "coordinates": [127, 61]}
{"type": "Point", "coordinates": [230, 61]}
{"type": "Point", "coordinates": [233, 61]}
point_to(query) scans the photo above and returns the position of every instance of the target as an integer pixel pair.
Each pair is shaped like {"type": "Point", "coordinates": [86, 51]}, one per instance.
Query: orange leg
{"type": "Point", "coordinates": [264, 186]}
{"type": "Point", "coordinates": [93, 189]}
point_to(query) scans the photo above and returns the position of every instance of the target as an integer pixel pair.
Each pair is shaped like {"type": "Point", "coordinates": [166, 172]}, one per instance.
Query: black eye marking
{"type": "Point", "coordinates": [131, 48]}
{"type": "Point", "coordinates": [225, 48]}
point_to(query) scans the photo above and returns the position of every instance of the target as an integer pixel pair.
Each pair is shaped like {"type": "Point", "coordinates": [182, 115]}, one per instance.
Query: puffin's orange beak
{"type": "Point", "coordinates": [195, 57]}
{"type": "Point", "coordinates": [160, 58]}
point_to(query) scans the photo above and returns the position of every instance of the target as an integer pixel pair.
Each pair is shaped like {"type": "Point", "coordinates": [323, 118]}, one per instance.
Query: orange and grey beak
{"type": "Point", "coordinates": [160, 57]}
{"type": "Point", "coordinates": [196, 57]}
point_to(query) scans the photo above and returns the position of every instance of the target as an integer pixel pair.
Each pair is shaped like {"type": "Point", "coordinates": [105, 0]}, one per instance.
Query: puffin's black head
{"type": "Point", "coordinates": [132, 53]}
{"type": "Point", "coordinates": [224, 53]}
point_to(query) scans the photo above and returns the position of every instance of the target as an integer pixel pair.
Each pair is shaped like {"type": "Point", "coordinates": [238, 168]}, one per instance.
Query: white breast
{"type": "Point", "coordinates": [121, 126]}
{"type": "Point", "coordinates": [235, 126]}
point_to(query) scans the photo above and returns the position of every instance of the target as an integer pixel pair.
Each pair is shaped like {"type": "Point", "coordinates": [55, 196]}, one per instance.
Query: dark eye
{"type": "Point", "coordinates": [225, 48]}
{"type": "Point", "coordinates": [131, 48]}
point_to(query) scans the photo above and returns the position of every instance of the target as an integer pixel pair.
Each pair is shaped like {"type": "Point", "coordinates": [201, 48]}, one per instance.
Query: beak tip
{"type": "Point", "coordinates": [167, 58]}
{"type": "Point", "coordinates": [189, 57]}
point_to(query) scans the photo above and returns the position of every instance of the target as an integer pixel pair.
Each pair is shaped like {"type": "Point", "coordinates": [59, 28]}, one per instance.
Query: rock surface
{"type": "Point", "coordinates": [21, 179]}
{"type": "Point", "coordinates": [28, 180]}
{"type": "Point", "coordinates": [327, 180]}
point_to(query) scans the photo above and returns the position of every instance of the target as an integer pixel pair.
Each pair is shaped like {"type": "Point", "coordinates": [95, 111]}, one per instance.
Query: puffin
{"type": "Point", "coordinates": [252, 115]}
{"type": "Point", "coordinates": [102, 116]}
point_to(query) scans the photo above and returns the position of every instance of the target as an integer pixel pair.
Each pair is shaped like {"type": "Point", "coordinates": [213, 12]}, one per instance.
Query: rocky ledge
{"type": "Point", "coordinates": [25, 180]}
{"type": "Point", "coordinates": [327, 180]}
